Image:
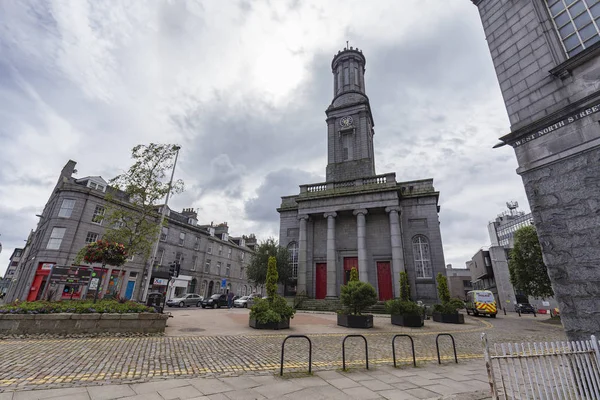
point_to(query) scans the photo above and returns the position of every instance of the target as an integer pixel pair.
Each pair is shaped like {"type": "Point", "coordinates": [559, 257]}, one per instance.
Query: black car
{"type": "Point", "coordinates": [215, 301]}
{"type": "Point", "coordinates": [525, 308]}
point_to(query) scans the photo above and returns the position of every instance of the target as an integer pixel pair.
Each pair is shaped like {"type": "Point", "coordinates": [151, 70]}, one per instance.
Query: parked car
{"type": "Point", "coordinates": [186, 300]}
{"type": "Point", "coordinates": [215, 301]}
{"type": "Point", "coordinates": [525, 308]}
{"type": "Point", "coordinates": [241, 302]}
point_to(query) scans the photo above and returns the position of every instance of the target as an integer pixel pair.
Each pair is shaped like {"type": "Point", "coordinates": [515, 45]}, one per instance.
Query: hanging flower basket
{"type": "Point", "coordinates": [105, 253]}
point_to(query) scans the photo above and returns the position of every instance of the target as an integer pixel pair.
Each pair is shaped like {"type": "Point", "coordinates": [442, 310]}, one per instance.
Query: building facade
{"type": "Point", "coordinates": [459, 281]}
{"type": "Point", "coordinates": [11, 270]}
{"type": "Point", "coordinates": [210, 259]}
{"type": "Point", "coordinates": [358, 219]}
{"type": "Point", "coordinates": [546, 54]}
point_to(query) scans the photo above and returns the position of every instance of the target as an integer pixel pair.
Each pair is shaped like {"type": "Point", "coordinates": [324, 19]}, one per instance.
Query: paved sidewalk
{"type": "Point", "coordinates": [465, 381]}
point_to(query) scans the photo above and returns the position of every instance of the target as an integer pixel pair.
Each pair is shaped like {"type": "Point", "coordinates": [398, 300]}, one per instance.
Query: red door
{"type": "Point", "coordinates": [349, 263]}
{"type": "Point", "coordinates": [35, 287]}
{"type": "Point", "coordinates": [321, 281]}
{"type": "Point", "coordinates": [384, 279]}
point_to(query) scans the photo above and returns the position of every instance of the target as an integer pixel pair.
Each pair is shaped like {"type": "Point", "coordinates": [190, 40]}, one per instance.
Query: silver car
{"type": "Point", "coordinates": [241, 302]}
{"type": "Point", "coordinates": [186, 300]}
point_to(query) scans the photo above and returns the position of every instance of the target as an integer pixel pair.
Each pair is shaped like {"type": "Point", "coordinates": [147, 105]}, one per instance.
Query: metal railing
{"type": "Point", "coordinates": [309, 352]}
{"type": "Point", "coordinates": [549, 371]}
{"type": "Point", "coordinates": [437, 346]}
{"type": "Point", "coordinates": [344, 350]}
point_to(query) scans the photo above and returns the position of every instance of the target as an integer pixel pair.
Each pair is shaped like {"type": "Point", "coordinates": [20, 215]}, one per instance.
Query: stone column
{"type": "Point", "coordinates": [302, 256]}
{"type": "Point", "coordinates": [331, 257]}
{"type": "Point", "coordinates": [361, 233]}
{"type": "Point", "coordinates": [396, 242]}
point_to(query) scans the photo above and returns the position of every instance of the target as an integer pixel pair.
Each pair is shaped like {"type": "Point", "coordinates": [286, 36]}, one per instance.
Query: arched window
{"type": "Point", "coordinates": [421, 254]}
{"type": "Point", "coordinates": [193, 285]}
{"type": "Point", "coordinates": [293, 250]}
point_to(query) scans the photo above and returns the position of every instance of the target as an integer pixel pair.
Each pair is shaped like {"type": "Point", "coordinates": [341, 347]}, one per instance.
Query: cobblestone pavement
{"type": "Point", "coordinates": [54, 363]}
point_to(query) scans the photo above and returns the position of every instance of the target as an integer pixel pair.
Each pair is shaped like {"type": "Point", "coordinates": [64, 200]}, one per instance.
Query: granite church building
{"type": "Point", "coordinates": [358, 218]}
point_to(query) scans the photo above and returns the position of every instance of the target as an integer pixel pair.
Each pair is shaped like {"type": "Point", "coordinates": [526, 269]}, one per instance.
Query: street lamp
{"type": "Point", "coordinates": [162, 220]}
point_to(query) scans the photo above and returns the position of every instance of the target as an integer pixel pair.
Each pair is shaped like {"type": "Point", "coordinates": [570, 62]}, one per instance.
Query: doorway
{"type": "Point", "coordinates": [349, 263]}
{"type": "Point", "coordinates": [321, 281]}
{"type": "Point", "coordinates": [210, 288]}
{"type": "Point", "coordinates": [384, 281]}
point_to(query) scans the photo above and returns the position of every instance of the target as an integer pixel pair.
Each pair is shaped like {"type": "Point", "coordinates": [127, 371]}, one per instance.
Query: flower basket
{"type": "Point", "coordinates": [105, 253]}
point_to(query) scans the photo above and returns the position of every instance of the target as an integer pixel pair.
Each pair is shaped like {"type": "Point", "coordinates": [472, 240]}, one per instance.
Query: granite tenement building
{"type": "Point", "coordinates": [72, 218]}
{"type": "Point", "coordinates": [357, 218]}
{"type": "Point", "coordinates": [547, 58]}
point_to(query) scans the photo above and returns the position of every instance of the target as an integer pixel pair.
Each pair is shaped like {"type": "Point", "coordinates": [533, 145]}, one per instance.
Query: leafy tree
{"type": "Point", "coordinates": [272, 277]}
{"type": "Point", "coordinates": [257, 269]}
{"type": "Point", "coordinates": [442, 288]}
{"type": "Point", "coordinates": [404, 287]}
{"type": "Point", "coordinates": [526, 266]}
{"type": "Point", "coordinates": [133, 219]}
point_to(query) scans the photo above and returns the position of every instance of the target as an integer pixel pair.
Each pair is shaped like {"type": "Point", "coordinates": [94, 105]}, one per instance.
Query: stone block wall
{"type": "Point", "coordinates": [66, 323]}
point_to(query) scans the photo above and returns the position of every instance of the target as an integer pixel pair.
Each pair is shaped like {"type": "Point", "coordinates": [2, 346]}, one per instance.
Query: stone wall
{"type": "Point", "coordinates": [566, 213]}
{"type": "Point", "coordinates": [66, 323]}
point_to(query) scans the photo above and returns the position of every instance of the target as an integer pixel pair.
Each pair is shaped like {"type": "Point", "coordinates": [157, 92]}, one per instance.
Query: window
{"type": "Point", "coordinates": [179, 258]}
{"type": "Point", "coordinates": [577, 23]}
{"type": "Point", "coordinates": [159, 256]}
{"type": "Point", "coordinates": [229, 250]}
{"type": "Point", "coordinates": [164, 234]}
{"type": "Point", "coordinates": [356, 76]}
{"type": "Point", "coordinates": [293, 250]}
{"type": "Point", "coordinates": [181, 238]}
{"type": "Point", "coordinates": [56, 238]}
{"type": "Point", "coordinates": [66, 208]}
{"type": "Point", "coordinates": [194, 262]}
{"type": "Point", "coordinates": [227, 269]}
{"type": "Point", "coordinates": [207, 267]}
{"type": "Point", "coordinates": [98, 215]}
{"type": "Point", "coordinates": [18, 253]}
{"type": "Point", "coordinates": [346, 77]}
{"type": "Point", "coordinates": [218, 267]}
{"type": "Point", "coordinates": [197, 243]}
{"type": "Point", "coordinates": [91, 237]}
{"type": "Point", "coordinates": [421, 255]}
{"type": "Point", "coordinates": [339, 78]}
{"type": "Point", "coordinates": [242, 272]}
{"type": "Point", "coordinates": [220, 250]}
{"type": "Point", "coordinates": [131, 257]}
{"type": "Point", "coordinates": [209, 249]}
{"type": "Point", "coordinates": [243, 254]}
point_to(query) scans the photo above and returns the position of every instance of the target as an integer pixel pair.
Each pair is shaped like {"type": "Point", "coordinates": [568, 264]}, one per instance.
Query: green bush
{"type": "Point", "coordinates": [450, 307]}
{"type": "Point", "coordinates": [404, 287]}
{"type": "Point", "coordinates": [400, 307]}
{"type": "Point", "coordinates": [274, 309]}
{"type": "Point", "coordinates": [356, 296]}
{"type": "Point", "coordinates": [442, 287]}
{"type": "Point", "coordinates": [74, 306]}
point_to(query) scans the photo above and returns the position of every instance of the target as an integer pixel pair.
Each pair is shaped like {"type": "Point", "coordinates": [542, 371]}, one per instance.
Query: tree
{"type": "Point", "coordinates": [272, 278]}
{"type": "Point", "coordinates": [404, 287]}
{"type": "Point", "coordinates": [131, 217]}
{"type": "Point", "coordinates": [528, 273]}
{"type": "Point", "coordinates": [354, 275]}
{"type": "Point", "coordinates": [257, 269]}
{"type": "Point", "coordinates": [442, 287]}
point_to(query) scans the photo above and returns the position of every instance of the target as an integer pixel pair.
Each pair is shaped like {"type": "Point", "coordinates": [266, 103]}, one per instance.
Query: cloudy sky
{"type": "Point", "coordinates": [243, 86]}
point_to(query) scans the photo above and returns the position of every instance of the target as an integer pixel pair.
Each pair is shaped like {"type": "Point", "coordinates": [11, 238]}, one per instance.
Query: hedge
{"type": "Point", "coordinates": [74, 306]}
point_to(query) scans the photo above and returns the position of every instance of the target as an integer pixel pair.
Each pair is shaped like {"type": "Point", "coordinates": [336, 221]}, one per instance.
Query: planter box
{"type": "Point", "coordinates": [66, 323]}
{"type": "Point", "coordinates": [449, 318]}
{"type": "Point", "coordinates": [355, 321]}
{"type": "Point", "coordinates": [412, 321]}
{"type": "Point", "coordinates": [285, 324]}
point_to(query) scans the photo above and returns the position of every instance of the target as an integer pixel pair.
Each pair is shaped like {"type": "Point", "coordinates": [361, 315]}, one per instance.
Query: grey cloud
{"type": "Point", "coordinates": [283, 182]}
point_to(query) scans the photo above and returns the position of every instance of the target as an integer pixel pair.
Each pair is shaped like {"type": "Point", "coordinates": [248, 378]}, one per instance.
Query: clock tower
{"type": "Point", "coordinates": [349, 120]}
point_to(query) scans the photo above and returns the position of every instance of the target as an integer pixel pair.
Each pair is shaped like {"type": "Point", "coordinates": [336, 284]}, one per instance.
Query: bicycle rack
{"type": "Point", "coordinates": [437, 346]}
{"type": "Point", "coordinates": [344, 350]}
{"type": "Point", "coordinates": [412, 344]}
{"type": "Point", "coordinates": [309, 352]}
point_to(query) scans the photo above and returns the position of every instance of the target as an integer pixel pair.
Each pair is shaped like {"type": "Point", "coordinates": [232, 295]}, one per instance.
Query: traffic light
{"type": "Point", "coordinates": [172, 270]}
{"type": "Point", "coordinates": [177, 269]}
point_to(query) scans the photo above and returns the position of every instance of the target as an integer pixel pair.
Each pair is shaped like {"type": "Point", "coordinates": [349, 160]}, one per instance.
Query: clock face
{"type": "Point", "coordinates": [346, 121]}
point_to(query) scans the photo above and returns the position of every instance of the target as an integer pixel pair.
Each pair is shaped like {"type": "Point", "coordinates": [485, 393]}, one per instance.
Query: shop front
{"type": "Point", "coordinates": [40, 281]}
{"type": "Point", "coordinates": [179, 286]}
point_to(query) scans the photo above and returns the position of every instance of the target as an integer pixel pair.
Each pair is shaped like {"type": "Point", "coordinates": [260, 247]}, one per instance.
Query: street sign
{"type": "Point", "coordinates": [71, 275]}
{"type": "Point", "coordinates": [94, 283]}
{"type": "Point", "coordinates": [223, 283]}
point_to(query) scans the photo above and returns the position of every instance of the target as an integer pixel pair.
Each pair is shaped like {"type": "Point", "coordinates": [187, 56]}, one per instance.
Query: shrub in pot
{"type": "Point", "coordinates": [447, 311]}
{"type": "Point", "coordinates": [404, 312]}
{"type": "Point", "coordinates": [272, 312]}
{"type": "Point", "coordinates": [355, 297]}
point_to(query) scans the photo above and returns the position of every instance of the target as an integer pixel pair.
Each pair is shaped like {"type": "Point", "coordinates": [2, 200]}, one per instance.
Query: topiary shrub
{"type": "Point", "coordinates": [274, 309]}
{"type": "Point", "coordinates": [400, 307]}
{"type": "Point", "coordinates": [404, 287]}
{"type": "Point", "coordinates": [357, 295]}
